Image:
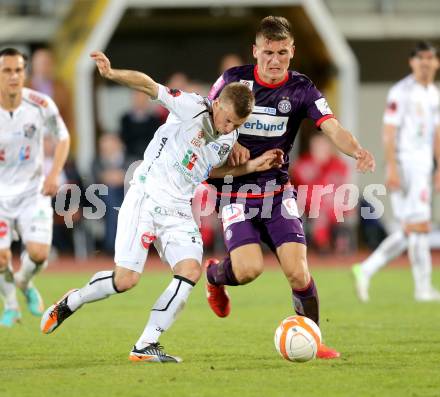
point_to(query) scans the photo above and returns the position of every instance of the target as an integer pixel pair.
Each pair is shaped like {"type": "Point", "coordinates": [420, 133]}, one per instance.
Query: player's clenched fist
{"type": "Point", "coordinates": [103, 63]}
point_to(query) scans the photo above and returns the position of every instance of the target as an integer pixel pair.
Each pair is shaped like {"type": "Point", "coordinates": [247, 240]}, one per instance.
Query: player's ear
{"type": "Point", "coordinates": [215, 103]}
{"type": "Point", "coordinates": [292, 53]}
{"type": "Point", "coordinates": [254, 51]}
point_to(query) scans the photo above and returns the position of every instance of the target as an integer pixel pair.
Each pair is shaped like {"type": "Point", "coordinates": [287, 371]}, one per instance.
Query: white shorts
{"type": "Point", "coordinates": [142, 222]}
{"type": "Point", "coordinates": [412, 203]}
{"type": "Point", "coordinates": [31, 217]}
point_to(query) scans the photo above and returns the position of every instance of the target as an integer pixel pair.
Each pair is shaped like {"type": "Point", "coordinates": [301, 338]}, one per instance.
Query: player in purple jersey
{"type": "Point", "coordinates": [283, 99]}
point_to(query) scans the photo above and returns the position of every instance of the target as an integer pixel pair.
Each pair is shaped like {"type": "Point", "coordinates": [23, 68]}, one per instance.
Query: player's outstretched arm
{"type": "Point", "coordinates": [270, 159]}
{"type": "Point", "coordinates": [130, 78]}
{"type": "Point", "coordinates": [348, 144]}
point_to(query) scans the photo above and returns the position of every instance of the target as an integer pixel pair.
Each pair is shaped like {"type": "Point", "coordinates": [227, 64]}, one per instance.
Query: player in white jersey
{"type": "Point", "coordinates": [412, 139]}
{"type": "Point", "coordinates": [193, 144]}
{"type": "Point", "coordinates": [26, 116]}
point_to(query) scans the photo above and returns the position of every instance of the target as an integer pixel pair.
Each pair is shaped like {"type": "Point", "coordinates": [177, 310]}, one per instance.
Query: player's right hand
{"type": "Point", "coordinates": [392, 180]}
{"type": "Point", "coordinates": [239, 155]}
{"type": "Point", "coordinates": [103, 63]}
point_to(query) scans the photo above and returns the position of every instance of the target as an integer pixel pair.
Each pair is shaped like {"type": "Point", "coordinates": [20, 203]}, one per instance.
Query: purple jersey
{"type": "Point", "coordinates": [278, 112]}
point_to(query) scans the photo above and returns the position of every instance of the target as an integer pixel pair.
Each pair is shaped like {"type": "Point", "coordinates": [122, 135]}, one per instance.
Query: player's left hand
{"type": "Point", "coordinates": [102, 63]}
{"type": "Point", "coordinates": [364, 161]}
{"type": "Point", "coordinates": [270, 159]}
{"type": "Point", "coordinates": [50, 186]}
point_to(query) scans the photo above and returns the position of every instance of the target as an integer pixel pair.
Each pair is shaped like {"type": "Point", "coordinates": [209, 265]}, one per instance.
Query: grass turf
{"type": "Point", "coordinates": [390, 347]}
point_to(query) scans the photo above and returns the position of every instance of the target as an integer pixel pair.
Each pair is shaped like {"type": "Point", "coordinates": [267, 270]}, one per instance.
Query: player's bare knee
{"type": "Point", "coordinates": [298, 274]}
{"type": "Point", "coordinates": [38, 253]}
{"type": "Point", "coordinates": [126, 280]}
{"type": "Point", "coordinates": [191, 270]}
{"type": "Point", "coordinates": [298, 278]}
{"type": "Point", "coordinates": [5, 256]}
{"type": "Point", "coordinates": [39, 257]}
{"type": "Point", "coordinates": [421, 227]}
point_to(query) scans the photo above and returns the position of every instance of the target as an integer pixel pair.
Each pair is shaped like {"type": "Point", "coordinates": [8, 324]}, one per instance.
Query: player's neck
{"type": "Point", "coordinates": [422, 81]}
{"type": "Point", "coordinates": [10, 102]}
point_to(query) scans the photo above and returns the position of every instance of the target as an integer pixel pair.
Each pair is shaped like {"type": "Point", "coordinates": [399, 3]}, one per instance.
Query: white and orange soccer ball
{"type": "Point", "coordinates": [297, 338]}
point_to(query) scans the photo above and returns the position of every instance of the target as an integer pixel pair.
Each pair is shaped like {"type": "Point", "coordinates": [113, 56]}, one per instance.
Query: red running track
{"type": "Point", "coordinates": [103, 262]}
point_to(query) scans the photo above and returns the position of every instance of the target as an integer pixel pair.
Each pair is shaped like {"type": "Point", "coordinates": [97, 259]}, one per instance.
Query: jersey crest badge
{"type": "Point", "coordinates": [224, 150]}
{"type": "Point", "coordinates": [29, 130]}
{"type": "Point", "coordinates": [284, 106]}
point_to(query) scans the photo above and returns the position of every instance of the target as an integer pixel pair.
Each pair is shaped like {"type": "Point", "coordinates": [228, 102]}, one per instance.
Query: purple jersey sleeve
{"type": "Point", "coordinates": [217, 87]}
{"type": "Point", "coordinates": [317, 107]}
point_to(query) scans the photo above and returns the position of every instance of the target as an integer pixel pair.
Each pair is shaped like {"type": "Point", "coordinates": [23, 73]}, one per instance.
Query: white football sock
{"type": "Point", "coordinates": [7, 289]}
{"type": "Point", "coordinates": [28, 270]}
{"type": "Point", "coordinates": [165, 310]}
{"type": "Point", "coordinates": [420, 257]}
{"type": "Point", "coordinates": [100, 286]}
{"type": "Point", "coordinates": [389, 249]}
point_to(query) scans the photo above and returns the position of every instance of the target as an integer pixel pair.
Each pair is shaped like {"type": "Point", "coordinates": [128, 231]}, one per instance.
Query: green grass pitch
{"type": "Point", "coordinates": [390, 347]}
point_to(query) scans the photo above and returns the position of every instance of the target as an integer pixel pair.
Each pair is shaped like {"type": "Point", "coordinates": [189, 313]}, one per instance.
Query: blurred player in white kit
{"type": "Point", "coordinates": [26, 116]}
{"type": "Point", "coordinates": [412, 140]}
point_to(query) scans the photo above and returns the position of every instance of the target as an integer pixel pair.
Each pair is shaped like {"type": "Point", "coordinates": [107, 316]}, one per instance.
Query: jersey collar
{"type": "Point", "coordinates": [261, 82]}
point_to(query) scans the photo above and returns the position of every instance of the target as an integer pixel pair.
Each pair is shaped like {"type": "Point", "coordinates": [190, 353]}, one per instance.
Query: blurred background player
{"type": "Point", "coordinates": [138, 126]}
{"type": "Point", "coordinates": [412, 138]}
{"type": "Point", "coordinates": [42, 79]}
{"type": "Point", "coordinates": [282, 100]}
{"type": "Point", "coordinates": [109, 168]}
{"type": "Point", "coordinates": [26, 116]}
{"type": "Point", "coordinates": [321, 166]}
{"type": "Point", "coordinates": [194, 142]}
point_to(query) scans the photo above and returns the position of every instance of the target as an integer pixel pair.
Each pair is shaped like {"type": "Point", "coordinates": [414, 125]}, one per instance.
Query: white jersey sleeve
{"type": "Point", "coordinates": [183, 105]}
{"type": "Point", "coordinates": [394, 111]}
{"type": "Point", "coordinates": [53, 123]}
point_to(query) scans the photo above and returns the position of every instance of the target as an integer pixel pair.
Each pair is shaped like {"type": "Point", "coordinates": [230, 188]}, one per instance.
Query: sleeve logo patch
{"type": "Point", "coordinates": [391, 107]}
{"type": "Point", "coordinates": [38, 100]}
{"type": "Point", "coordinates": [323, 107]}
{"type": "Point", "coordinates": [174, 92]}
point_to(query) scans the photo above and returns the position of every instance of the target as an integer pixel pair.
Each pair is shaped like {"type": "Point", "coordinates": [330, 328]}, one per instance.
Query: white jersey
{"type": "Point", "coordinates": [414, 110]}
{"type": "Point", "coordinates": [183, 150]}
{"type": "Point", "coordinates": [21, 143]}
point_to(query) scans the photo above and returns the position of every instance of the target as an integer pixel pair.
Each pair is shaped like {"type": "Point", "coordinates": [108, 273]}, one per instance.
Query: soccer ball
{"type": "Point", "coordinates": [297, 338]}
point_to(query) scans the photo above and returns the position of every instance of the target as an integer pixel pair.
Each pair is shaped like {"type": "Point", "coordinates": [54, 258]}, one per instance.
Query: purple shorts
{"type": "Point", "coordinates": [272, 220]}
